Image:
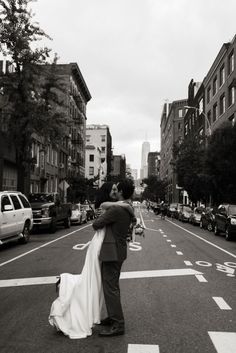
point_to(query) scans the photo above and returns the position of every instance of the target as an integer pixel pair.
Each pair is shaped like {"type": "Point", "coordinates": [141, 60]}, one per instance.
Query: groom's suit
{"type": "Point", "coordinates": [113, 252]}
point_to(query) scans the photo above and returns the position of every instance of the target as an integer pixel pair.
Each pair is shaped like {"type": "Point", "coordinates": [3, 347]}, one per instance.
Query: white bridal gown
{"type": "Point", "coordinates": [78, 306]}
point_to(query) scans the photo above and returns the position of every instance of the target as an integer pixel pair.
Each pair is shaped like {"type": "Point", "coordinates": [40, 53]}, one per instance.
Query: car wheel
{"type": "Point", "coordinates": [228, 235]}
{"type": "Point", "coordinates": [53, 225]}
{"type": "Point", "coordinates": [26, 234]}
{"type": "Point", "coordinates": [67, 222]}
{"type": "Point", "coordinates": [216, 230]}
{"type": "Point", "coordinates": [209, 227]}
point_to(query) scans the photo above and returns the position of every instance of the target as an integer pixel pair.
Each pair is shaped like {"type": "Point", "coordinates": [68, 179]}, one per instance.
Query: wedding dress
{"type": "Point", "coordinates": [78, 306]}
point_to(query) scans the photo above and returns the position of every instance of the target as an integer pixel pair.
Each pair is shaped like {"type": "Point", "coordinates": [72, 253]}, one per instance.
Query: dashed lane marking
{"type": "Point", "coordinates": [124, 275]}
{"type": "Point", "coordinates": [221, 303]}
{"type": "Point", "coordinates": [179, 253]}
{"type": "Point", "coordinates": [224, 342]}
{"type": "Point", "coordinates": [188, 263]}
{"type": "Point", "coordinates": [143, 348]}
{"type": "Point", "coordinates": [206, 241]}
{"type": "Point", "coordinates": [173, 246]}
{"type": "Point", "coordinates": [201, 278]}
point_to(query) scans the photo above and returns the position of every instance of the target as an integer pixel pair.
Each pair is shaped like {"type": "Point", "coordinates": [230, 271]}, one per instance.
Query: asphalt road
{"type": "Point", "coordinates": [178, 290]}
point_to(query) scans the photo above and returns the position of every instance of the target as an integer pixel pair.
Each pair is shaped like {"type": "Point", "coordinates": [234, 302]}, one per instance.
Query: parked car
{"type": "Point", "coordinates": [49, 210]}
{"type": "Point", "coordinates": [90, 211]}
{"type": "Point", "coordinates": [185, 213]}
{"type": "Point", "coordinates": [172, 210]}
{"type": "Point", "coordinates": [78, 214]}
{"type": "Point", "coordinates": [207, 220]}
{"type": "Point", "coordinates": [195, 216]}
{"type": "Point", "coordinates": [16, 218]}
{"type": "Point", "coordinates": [225, 221]}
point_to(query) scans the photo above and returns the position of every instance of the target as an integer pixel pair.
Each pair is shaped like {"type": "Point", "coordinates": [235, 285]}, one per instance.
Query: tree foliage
{"type": "Point", "coordinates": [220, 163]}
{"type": "Point", "coordinates": [190, 168]}
{"type": "Point", "coordinates": [31, 87]}
{"type": "Point", "coordinates": [154, 190]}
{"type": "Point", "coordinates": [210, 172]}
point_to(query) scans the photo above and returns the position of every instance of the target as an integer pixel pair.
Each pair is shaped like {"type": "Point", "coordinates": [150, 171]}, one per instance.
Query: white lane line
{"type": "Point", "coordinates": [142, 222]}
{"type": "Point", "coordinates": [222, 304]}
{"type": "Point", "coordinates": [206, 241]}
{"type": "Point", "coordinates": [169, 241]}
{"type": "Point", "coordinates": [179, 253]}
{"type": "Point", "coordinates": [173, 246]}
{"type": "Point", "coordinates": [143, 348]}
{"type": "Point", "coordinates": [224, 342]}
{"type": "Point", "coordinates": [164, 236]}
{"type": "Point", "coordinates": [124, 275]}
{"type": "Point", "coordinates": [201, 278]}
{"type": "Point", "coordinates": [188, 263]}
{"type": "Point", "coordinates": [42, 246]}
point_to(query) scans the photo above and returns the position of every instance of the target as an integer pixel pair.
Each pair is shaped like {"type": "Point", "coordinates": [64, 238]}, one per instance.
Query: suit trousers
{"type": "Point", "coordinates": [110, 279]}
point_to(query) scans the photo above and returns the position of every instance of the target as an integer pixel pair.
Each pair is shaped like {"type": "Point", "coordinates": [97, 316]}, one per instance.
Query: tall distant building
{"type": "Point", "coordinates": [154, 164]}
{"type": "Point", "coordinates": [144, 158]}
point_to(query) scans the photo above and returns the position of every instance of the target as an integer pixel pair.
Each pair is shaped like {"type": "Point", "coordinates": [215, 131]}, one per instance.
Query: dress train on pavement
{"type": "Point", "coordinates": [78, 306]}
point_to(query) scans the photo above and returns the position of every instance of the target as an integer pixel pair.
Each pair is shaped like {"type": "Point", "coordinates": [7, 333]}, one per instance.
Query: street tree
{"type": "Point", "coordinates": [189, 157]}
{"type": "Point", "coordinates": [31, 85]}
{"type": "Point", "coordinates": [154, 189]}
{"type": "Point", "coordinates": [220, 163]}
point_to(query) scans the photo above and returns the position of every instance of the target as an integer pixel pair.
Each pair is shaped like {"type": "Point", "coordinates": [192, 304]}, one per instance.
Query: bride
{"type": "Point", "coordinates": [78, 306]}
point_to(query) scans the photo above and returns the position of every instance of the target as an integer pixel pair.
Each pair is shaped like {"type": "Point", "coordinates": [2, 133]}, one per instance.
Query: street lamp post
{"type": "Point", "coordinates": [205, 116]}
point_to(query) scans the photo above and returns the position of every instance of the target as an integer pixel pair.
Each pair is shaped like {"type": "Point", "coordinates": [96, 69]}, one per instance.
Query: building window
{"type": "Point", "coordinates": [91, 170]}
{"type": "Point", "coordinates": [103, 160]}
{"type": "Point", "coordinates": [91, 158]}
{"type": "Point", "coordinates": [88, 138]}
{"type": "Point", "coordinates": [231, 95]}
{"type": "Point", "coordinates": [222, 104]}
{"type": "Point", "coordinates": [214, 85]}
{"type": "Point", "coordinates": [208, 94]}
{"type": "Point", "coordinates": [180, 113]}
{"type": "Point", "coordinates": [103, 149]}
{"type": "Point", "coordinates": [231, 62]}
{"type": "Point", "coordinates": [209, 116]}
{"type": "Point", "coordinates": [222, 75]}
{"type": "Point", "coordinates": [103, 138]}
{"type": "Point", "coordinates": [215, 115]}
{"type": "Point", "coordinates": [186, 129]}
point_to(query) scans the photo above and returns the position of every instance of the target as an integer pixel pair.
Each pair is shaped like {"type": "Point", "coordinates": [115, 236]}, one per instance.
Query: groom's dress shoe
{"type": "Point", "coordinates": [112, 331]}
{"type": "Point", "coordinates": [106, 322]}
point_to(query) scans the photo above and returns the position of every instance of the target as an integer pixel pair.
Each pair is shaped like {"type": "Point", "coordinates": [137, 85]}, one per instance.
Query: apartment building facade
{"type": "Point", "coordinates": [172, 131]}
{"type": "Point", "coordinates": [52, 165]}
{"type": "Point", "coordinates": [154, 164]}
{"type": "Point", "coordinates": [99, 136]}
{"type": "Point", "coordinates": [220, 87]}
{"type": "Point", "coordinates": [56, 164]}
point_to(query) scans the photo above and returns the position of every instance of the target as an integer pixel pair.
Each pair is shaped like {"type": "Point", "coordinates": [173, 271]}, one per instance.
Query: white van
{"type": "Point", "coordinates": [16, 218]}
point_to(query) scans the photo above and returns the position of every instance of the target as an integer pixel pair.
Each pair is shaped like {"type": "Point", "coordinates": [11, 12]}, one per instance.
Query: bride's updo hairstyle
{"type": "Point", "coordinates": [103, 193]}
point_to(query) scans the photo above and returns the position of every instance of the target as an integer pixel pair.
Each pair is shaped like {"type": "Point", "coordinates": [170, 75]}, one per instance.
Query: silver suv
{"type": "Point", "coordinates": [16, 218]}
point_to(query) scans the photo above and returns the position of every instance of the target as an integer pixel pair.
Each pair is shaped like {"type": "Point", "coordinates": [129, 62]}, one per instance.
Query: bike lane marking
{"type": "Point", "coordinates": [42, 246]}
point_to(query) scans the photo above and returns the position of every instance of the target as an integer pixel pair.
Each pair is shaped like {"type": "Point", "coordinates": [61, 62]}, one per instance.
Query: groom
{"type": "Point", "coordinates": [117, 221]}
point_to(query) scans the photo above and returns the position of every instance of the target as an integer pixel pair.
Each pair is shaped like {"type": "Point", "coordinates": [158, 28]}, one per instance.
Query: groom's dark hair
{"type": "Point", "coordinates": [127, 188]}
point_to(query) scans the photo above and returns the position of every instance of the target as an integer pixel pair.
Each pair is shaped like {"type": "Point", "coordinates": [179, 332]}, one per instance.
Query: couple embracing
{"type": "Point", "coordinates": [78, 306]}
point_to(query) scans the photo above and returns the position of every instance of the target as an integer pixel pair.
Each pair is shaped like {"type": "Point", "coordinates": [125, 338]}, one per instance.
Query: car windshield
{"type": "Point", "coordinates": [232, 210]}
{"type": "Point", "coordinates": [75, 207]}
{"type": "Point", "coordinates": [41, 198]}
{"type": "Point", "coordinates": [187, 209]}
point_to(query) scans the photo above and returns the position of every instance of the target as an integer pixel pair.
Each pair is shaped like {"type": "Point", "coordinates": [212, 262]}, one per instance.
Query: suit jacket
{"type": "Point", "coordinates": [117, 221]}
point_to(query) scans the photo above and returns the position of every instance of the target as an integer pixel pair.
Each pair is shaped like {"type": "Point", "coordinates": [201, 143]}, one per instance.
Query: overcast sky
{"type": "Point", "coordinates": [136, 54]}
